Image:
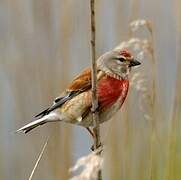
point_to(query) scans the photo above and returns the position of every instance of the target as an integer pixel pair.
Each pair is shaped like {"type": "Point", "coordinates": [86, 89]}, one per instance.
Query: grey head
{"type": "Point", "coordinates": [117, 63]}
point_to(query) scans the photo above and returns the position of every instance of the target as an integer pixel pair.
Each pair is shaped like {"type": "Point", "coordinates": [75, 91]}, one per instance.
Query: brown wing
{"type": "Point", "coordinates": [81, 82]}
{"type": "Point", "coordinates": [78, 85]}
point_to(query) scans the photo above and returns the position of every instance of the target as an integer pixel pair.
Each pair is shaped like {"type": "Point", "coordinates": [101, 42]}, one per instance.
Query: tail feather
{"type": "Point", "coordinates": [32, 125]}
{"type": "Point", "coordinates": [52, 117]}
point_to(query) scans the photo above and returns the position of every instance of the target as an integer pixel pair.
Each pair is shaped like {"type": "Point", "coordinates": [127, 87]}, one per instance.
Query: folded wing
{"type": "Point", "coordinates": [80, 84]}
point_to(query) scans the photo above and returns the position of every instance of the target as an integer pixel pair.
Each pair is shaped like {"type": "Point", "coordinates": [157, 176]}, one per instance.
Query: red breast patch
{"type": "Point", "coordinates": [110, 89]}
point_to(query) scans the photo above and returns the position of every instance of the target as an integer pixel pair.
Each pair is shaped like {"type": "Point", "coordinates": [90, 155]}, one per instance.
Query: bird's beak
{"type": "Point", "coordinates": [134, 62]}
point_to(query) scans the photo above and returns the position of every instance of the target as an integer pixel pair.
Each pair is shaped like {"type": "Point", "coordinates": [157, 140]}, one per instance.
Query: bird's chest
{"type": "Point", "coordinates": [110, 90]}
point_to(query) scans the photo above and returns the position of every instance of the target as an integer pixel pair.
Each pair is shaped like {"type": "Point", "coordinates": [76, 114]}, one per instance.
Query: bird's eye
{"type": "Point", "coordinates": [121, 59]}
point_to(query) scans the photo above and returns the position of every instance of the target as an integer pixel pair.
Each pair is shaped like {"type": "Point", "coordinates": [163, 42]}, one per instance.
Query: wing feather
{"type": "Point", "coordinates": [81, 83]}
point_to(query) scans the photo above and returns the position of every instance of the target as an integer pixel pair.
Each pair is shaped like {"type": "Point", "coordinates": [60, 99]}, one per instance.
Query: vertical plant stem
{"type": "Point", "coordinates": [96, 127]}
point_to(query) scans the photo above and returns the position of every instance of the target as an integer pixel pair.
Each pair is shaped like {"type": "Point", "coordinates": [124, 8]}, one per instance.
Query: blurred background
{"type": "Point", "coordinates": [44, 44]}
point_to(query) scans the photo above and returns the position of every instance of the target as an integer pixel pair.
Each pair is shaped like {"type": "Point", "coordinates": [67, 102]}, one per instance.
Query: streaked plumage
{"type": "Point", "coordinates": [74, 105]}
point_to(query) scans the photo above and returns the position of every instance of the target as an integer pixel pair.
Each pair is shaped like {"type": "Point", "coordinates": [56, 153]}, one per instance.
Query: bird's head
{"type": "Point", "coordinates": [117, 63]}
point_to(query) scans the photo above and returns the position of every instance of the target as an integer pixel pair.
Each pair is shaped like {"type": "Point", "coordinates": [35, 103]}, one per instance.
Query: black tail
{"type": "Point", "coordinates": [43, 113]}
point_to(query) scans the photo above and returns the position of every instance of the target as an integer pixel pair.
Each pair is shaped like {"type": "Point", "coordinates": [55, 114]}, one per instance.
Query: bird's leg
{"type": "Point", "coordinates": [99, 147]}
{"type": "Point", "coordinates": [93, 136]}
{"type": "Point", "coordinates": [91, 132]}
{"type": "Point", "coordinates": [95, 110]}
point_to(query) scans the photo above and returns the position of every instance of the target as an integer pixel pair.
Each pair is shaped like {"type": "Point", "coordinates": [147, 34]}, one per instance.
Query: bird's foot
{"type": "Point", "coordinates": [99, 148]}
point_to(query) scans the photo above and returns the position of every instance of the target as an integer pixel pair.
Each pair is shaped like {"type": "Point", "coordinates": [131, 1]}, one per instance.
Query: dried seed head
{"type": "Point", "coordinates": [135, 25]}
{"type": "Point", "coordinates": [92, 163]}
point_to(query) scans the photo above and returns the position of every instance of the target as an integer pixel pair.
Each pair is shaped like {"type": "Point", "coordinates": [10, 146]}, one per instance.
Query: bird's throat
{"type": "Point", "coordinates": [110, 90]}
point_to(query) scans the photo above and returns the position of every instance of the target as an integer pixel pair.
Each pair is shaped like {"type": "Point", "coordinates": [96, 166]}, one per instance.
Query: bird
{"type": "Point", "coordinates": [75, 103]}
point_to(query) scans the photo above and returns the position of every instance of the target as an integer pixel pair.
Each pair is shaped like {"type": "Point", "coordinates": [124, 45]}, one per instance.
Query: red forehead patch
{"type": "Point", "coordinates": [125, 53]}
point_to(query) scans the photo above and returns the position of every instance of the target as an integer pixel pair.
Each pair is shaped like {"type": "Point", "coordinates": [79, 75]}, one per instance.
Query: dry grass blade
{"type": "Point", "coordinates": [39, 158]}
